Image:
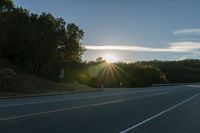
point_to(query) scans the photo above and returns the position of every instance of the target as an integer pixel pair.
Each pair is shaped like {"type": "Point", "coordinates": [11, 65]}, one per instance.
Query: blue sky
{"type": "Point", "coordinates": [130, 30]}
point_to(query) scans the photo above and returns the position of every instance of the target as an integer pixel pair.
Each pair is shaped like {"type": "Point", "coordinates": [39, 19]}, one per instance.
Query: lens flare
{"type": "Point", "coordinates": [110, 58]}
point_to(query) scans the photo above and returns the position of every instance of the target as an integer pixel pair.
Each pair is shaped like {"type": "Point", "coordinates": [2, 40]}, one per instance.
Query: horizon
{"type": "Point", "coordinates": [133, 30]}
{"type": "Point", "coordinates": [140, 71]}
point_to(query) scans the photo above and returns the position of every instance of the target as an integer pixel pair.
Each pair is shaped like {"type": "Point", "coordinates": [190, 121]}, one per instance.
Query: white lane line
{"type": "Point", "coordinates": [157, 115]}
{"type": "Point", "coordinates": [193, 86]}
{"type": "Point", "coordinates": [78, 107]}
{"type": "Point", "coordinates": [90, 97]}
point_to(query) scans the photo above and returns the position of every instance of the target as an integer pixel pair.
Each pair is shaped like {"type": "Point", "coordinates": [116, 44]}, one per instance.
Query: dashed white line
{"type": "Point", "coordinates": [78, 107]}
{"type": "Point", "coordinates": [193, 86]}
{"type": "Point", "coordinates": [70, 99]}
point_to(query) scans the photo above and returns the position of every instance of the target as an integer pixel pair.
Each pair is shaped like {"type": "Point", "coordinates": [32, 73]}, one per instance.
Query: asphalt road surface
{"type": "Point", "coordinates": [169, 109]}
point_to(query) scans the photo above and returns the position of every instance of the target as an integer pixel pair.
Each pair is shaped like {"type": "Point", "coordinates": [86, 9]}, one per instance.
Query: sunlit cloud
{"type": "Point", "coordinates": [185, 46]}
{"type": "Point", "coordinates": [127, 48]}
{"type": "Point", "coordinates": [173, 47]}
{"type": "Point", "coordinates": [188, 32]}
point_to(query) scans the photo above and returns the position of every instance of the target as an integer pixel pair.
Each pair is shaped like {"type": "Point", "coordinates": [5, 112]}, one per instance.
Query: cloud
{"type": "Point", "coordinates": [185, 46]}
{"type": "Point", "coordinates": [125, 48]}
{"type": "Point", "coordinates": [187, 32]}
{"type": "Point", "coordinates": [173, 47]}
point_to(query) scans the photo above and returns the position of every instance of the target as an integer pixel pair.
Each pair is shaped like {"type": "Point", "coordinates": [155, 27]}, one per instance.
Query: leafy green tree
{"type": "Point", "coordinates": [40, 44]}
{"type": "Point", "coordinates": [72, 49]}
{"type": "Point", "coordinates": [100, 60]}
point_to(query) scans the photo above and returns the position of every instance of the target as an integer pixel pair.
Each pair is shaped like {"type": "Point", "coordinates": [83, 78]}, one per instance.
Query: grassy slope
{"type": "Point", "coordinates": [12, 83]}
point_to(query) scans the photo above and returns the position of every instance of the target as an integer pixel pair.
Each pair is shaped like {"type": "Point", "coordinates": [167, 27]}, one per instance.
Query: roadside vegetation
{"type": "Point", "coordinates": [13, 83]}
{"type": "Point", "coordinates": [34, 48]}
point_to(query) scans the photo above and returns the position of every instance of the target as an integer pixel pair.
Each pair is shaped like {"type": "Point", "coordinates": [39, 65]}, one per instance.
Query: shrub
{"type": "Point", "coordinates": [8, 80]}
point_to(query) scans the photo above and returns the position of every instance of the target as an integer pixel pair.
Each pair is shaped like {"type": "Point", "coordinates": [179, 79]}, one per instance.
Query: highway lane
{"type": "Point", "coordinates": [109, 111]}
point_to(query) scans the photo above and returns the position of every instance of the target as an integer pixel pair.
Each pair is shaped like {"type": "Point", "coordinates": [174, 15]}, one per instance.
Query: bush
{"type": "Point", "coordinates": [8, 80]}
{"type": "Point", "coordinates": [12, 82]}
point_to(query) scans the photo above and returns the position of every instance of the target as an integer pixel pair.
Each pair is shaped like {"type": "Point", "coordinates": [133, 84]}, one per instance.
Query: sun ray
{"type": "Point", "coordinates": [110, 58]}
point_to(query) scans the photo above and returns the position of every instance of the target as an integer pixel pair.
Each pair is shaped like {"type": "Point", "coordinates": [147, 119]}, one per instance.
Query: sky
{"type": "Point", "coordinates": [130, 30]}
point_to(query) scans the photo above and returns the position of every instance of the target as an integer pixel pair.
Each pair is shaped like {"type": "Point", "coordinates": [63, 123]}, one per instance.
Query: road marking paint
{"type": "Point", "coordinates": [70, 99]}
{"type": "Point", "coordinates": [193, 85]}
{"type": "Point", "coordinates": [157, 115]}
{"type": "Point", "coordinates": [78, 107]}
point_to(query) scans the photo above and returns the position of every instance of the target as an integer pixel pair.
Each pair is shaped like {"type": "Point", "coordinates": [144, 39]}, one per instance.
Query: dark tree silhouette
{"type": "Point", "coordinates": [41, 44]}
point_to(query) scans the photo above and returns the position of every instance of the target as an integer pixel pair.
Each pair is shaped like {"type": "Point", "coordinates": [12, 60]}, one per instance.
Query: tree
{"type": "Point", "coordinates": [72, 48]}
{"type": "Point", "coordinates": [6, 5]}
{"type": "Point", "coordinates": [39, 44]}
{"type": "Point", "coordinates": [100, 60]}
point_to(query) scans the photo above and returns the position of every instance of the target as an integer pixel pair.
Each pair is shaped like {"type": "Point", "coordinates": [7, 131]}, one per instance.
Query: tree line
{"type": "Point", "coordinates": [178, 71]}
{"type": "Point", "coordinates": [39, 44]}
{"type": "Point", "coordinates": [42, 45]}
{"type": "Point", "coordinates": [143, 73]}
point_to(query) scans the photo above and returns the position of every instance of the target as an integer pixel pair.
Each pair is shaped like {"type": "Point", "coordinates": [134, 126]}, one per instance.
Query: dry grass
{"type": "Point", "coordinates": [13, 83]}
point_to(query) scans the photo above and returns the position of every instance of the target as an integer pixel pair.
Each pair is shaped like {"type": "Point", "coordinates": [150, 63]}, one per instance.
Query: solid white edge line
{"type": "Point", "coordinates": [164, 111]}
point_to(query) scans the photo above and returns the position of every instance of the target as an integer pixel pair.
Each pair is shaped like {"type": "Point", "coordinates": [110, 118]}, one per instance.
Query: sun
{"type": "Point", "coordinates": [110, 58]}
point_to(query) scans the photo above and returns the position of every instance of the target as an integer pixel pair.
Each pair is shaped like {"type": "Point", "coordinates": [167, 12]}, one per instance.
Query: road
{"type": "Point", "coordinates": [167, 109]}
